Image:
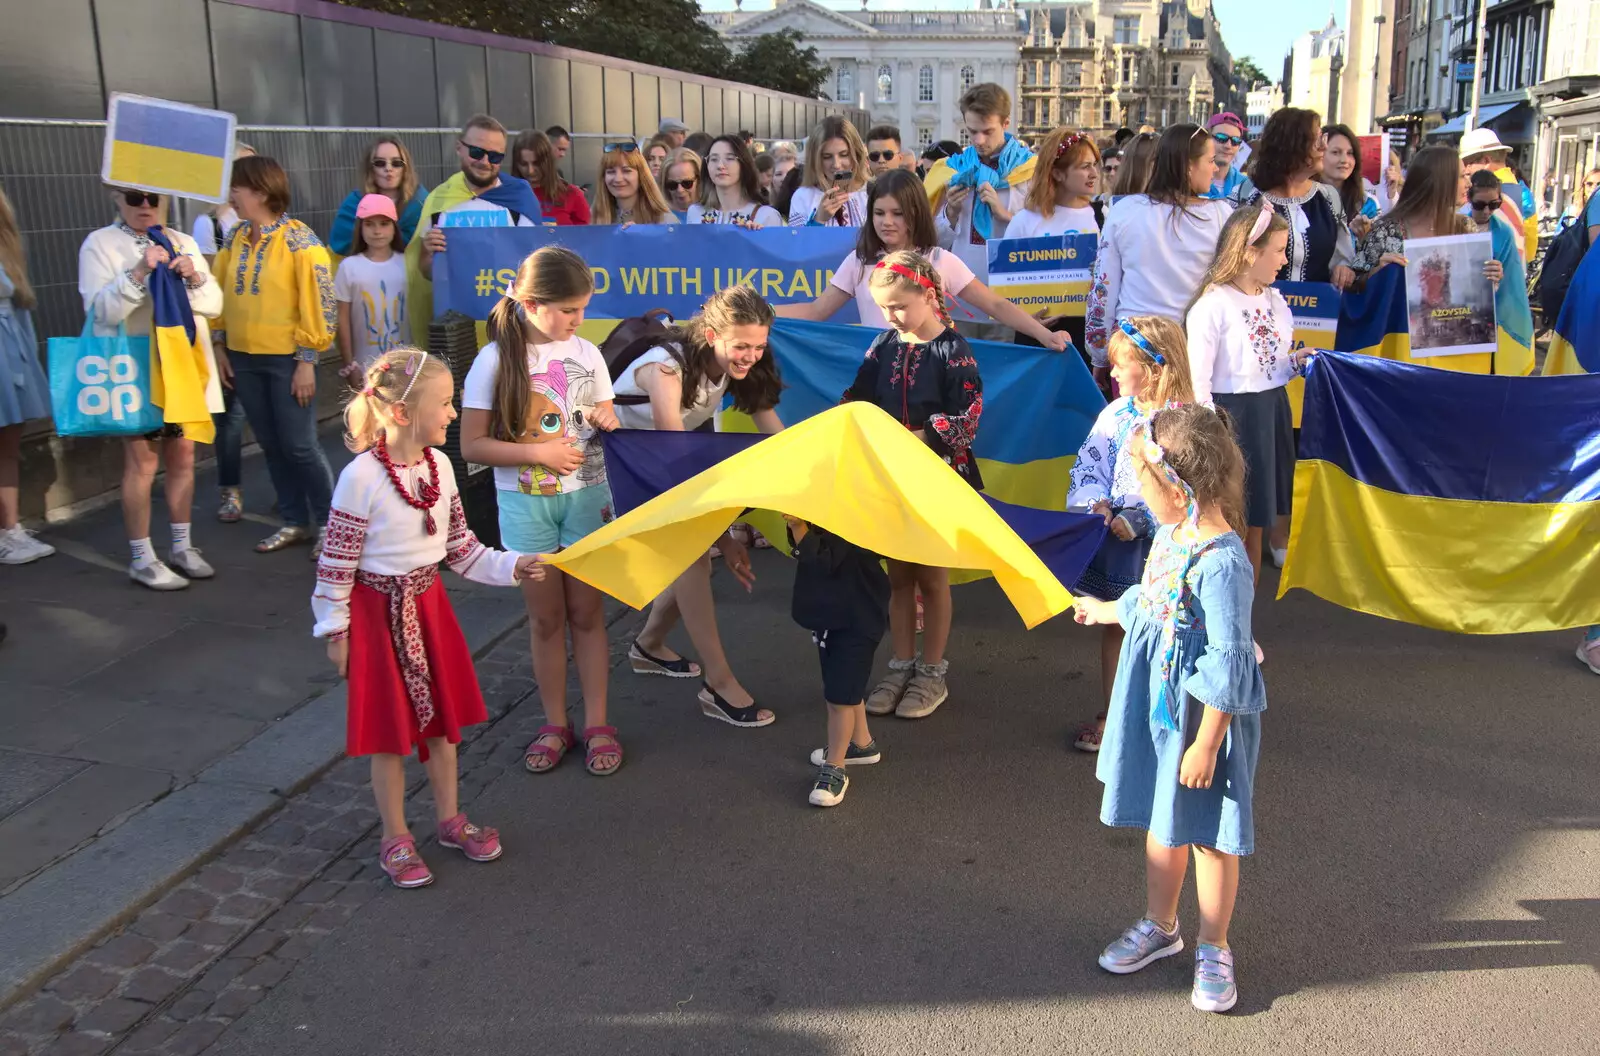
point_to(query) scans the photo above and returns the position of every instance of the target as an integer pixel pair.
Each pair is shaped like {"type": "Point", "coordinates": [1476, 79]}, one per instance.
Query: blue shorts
{"type": "Point", "coordinates": [544, 524]}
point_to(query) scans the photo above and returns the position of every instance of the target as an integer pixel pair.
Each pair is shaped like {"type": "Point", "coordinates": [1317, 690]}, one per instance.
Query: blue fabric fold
{"type": "Point", "coordinates": [972, 172]}
{"type": "Point", "coordinates": [516, 195]}
{"type": "Point", "coordinates": [169, 298]}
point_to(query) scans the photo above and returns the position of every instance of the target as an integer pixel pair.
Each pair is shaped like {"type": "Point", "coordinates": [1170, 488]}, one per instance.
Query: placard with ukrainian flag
{"type": "Point", "coordinates": [169, 148]}
{"type": "Point", "coordinates": [1049, 272]}
{"type": "Point", "coordinates": [1315, 307]}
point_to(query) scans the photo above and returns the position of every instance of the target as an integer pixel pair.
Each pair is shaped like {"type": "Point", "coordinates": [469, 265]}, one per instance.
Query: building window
{"type": "Point", "coordinates": [968, 77]}
{"type": "Point", "coordinates": [1072, 74]}
{"type": "Point", "coordinates": [1075, 35]}
{"type": "Point", "coordinates": [1105, 113]}
{"type": "Point", "coordinates": [924, 135]}
{"type": "Point", "coordinates": [885, 84]}
{"type": "Point", "coordinates": [1069, 112]}
{"type": "Point", "coordinates": [925, 85]}
{"type": "Point", "coordinates": [845, 83]}
{"type": "Point", "coordinates": [1125, 29]}
{"type": "Point", "coordinates": [1027, 74]}
{"type": "Point", "coordinates": [1174, 75]}
{"type": "Point", "coordinates": [1028, 112]}
{"type": "Point", "coordinates": [1129, 71]}
{"type": "Point", "coordinates": [965, 136]}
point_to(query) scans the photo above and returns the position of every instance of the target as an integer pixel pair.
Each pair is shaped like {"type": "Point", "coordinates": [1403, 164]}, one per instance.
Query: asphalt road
{"type": "Point", "coordinates": [1427, 878]}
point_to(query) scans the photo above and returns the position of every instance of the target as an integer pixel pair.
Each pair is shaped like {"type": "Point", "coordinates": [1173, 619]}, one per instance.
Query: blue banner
{"type": "Point", "coordinates": [671, 266]}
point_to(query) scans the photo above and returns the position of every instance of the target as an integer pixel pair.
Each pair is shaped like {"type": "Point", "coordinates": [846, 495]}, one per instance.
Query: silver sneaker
{"type": "Point", "coordinates": [156, 576]}
{"type": "Point", "coordinates": [288, 535]}
{"type": "Point", "coordinates": [18, 546]}
{"type": "Point", "coordinates": [1141, 944]}
{"type": "Point", "coordinates": [924, 693]}
{"type": "Point", "coordinates": [885, 696]}
{"type": "Point", "coordinates": [190, 564]}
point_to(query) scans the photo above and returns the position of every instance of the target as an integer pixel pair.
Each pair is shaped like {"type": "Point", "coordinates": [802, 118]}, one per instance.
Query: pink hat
{"type": "Point", "coordinates": [1227, 117]}
{"type": "Point", "coordinates": [376, 205]}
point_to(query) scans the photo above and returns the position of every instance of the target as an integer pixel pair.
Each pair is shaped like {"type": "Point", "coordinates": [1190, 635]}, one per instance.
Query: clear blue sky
{"type": "Point", "coordinates": [1262, 29]}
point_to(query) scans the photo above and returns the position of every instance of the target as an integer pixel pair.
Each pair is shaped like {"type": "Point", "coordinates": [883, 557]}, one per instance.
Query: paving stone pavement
{"type": "Point", "coordinates": [174, 979]}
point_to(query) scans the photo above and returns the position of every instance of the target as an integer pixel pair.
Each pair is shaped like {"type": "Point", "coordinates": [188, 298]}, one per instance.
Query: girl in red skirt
{"type": "Point", "coordinates": [379, 602]}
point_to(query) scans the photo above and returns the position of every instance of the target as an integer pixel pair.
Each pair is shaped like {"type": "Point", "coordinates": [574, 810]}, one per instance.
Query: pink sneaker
{"type": "Point", "coordinates": [399, 858]}
{"type": "Point", "coordinates": [478, 844]}
{"type": "Point", "coordinates": [1589, 653]}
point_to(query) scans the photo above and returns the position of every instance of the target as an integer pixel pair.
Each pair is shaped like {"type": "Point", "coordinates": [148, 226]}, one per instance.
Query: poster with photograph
{"type": "Point", "coordinates": [1449, 302]}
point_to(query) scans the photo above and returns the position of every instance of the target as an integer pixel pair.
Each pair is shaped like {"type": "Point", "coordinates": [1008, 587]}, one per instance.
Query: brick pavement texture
{"type": "Point", "coordinates": [177, 975]}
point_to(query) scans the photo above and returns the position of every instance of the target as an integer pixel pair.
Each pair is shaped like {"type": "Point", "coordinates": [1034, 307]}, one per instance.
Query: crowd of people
{"type": "Point", "coordinates": [1189, 464]}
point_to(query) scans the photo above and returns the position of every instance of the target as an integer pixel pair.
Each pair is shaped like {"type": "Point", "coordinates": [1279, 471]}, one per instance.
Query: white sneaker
{"type": "Point", "coordinates": [1279, 555]}
{"type": "Point", "coordinates": [156, 576]}
{"type": "Point", "coordinates": [190, 564]}
{"type": "Point", "coordinates": [18, 546]}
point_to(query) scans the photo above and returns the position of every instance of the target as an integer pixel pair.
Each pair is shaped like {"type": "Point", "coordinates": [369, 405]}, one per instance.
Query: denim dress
{"type": "Point", "coordinates": [1215, 667]}
{"type": "Point", "coordinates": [24, 391]}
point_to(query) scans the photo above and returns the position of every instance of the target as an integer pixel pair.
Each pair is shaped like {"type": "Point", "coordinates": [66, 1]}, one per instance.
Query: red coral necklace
{"type": "Point", "coordinates": [427, 490]}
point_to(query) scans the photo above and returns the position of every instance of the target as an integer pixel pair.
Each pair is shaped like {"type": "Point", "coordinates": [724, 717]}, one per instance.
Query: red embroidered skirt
{"type": "Point", "coordinates": [381, 719]}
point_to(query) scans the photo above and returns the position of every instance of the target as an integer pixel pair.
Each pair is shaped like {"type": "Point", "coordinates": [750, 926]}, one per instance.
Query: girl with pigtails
{"type": "Point", "coordinates": [924, 373]}
{"type": "Point", "coordinates": [380, 605]}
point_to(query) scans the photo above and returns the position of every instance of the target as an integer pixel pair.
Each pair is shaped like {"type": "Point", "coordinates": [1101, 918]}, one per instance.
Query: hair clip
{"type": "Point", "coordinates": [1263, 220]}
{"type": "Point", "coordinates": [414, 364]}
{"type": "Point", "coordinates": [1072, 140]}
{"type": "Point", "coordinates": [1142, 342]}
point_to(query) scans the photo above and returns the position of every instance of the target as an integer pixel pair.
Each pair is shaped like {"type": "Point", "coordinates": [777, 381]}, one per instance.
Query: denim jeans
{"type": "Point", "coordinates": [287, 433]}
{"type": "Point", "coordinates": [230, 439]}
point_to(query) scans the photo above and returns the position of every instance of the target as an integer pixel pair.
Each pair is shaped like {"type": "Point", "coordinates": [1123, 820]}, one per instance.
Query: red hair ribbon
{"type": "Point", "coordinates": [900, 269]}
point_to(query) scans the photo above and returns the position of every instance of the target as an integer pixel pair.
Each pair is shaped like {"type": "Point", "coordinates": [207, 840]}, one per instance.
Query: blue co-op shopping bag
{"type": "Point", "coordinates": [100, 386]}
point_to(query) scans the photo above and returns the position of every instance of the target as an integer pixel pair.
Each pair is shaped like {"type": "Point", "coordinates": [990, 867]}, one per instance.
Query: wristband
{"type": "Point", "coordinates": [306, 355]}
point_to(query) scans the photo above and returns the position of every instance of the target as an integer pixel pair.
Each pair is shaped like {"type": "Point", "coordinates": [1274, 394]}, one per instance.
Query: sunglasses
{"type": "Point", "coordinates": [629, 147]}
{"type": "Point", "coordinates": [882, 155]}
{"type": "Point", "coordinates": [1230, 140]}
{"type": "Point", "coordinates": [677, 185]}
{"type": "Point", "coordinates": [1486, 207]}
{"type": "Point", "coordinates": [478, 153]}
{"type": "Point", "coordinates": [138, 198]}
{"type": "Point", "coordinates": [396, 163]}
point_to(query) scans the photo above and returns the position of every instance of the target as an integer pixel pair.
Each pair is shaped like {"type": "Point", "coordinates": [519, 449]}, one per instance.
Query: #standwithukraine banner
{"type": "Point", "coordinates": [1049, 272]}
{"type": "Point", "coordinates": [671, 266]}
{"type": "Point", "coordinates": [168, 148]}
{"type": "Point", "coordinates": [1449, 500]}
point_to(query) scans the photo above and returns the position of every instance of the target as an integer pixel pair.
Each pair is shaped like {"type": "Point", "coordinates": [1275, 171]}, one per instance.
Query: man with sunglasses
{"type": "Point", "coordinates": [475, 197]}
{"type": "Point", "coordinates": [883, 150]}
{"type": "Point", "coordinates": [1228, 132]}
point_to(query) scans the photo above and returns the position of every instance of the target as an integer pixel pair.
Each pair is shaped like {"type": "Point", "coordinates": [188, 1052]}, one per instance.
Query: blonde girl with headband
{"type": "Point", "coordinates": [1242, 352]}
{"type": "Point", "coordinates": [1184, 733]}
{"type": "Point", "coordinates": [534, 401]}
{"type": "Point", "coordinates": [384, 613]}
{"type": "Point", "coordinates": [1150, 364]}
{"type": "Point", "coordinates": [924, 373]}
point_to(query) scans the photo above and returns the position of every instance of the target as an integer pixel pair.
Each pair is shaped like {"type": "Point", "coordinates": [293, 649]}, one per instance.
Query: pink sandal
{"type": "Point", "coordinates": [1090, 734]}
{"type": "Point", "coordinates": [544, 751]}
{"type": "Point", "coordinates": [399, 858]}
{"type": "Point", "coordinates": [592, 753]}
{"type": "Point", "coordinates": [477, 843]}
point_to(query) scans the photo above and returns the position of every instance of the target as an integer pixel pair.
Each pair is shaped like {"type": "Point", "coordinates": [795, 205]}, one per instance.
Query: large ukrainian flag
{"type": "Point", "coordinates": [170, 148]}
{"type": "Point", "coordinates": [1448, 500]}
{"type": "Point", "coordinates": [1575, 349]}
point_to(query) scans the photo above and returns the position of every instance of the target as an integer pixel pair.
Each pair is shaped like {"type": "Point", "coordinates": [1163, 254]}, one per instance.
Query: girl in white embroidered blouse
{"type": "Point", "coordinates": [380, 605]}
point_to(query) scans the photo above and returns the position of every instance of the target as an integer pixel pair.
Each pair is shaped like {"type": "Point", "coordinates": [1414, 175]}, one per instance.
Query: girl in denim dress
{"type": "Point", "coordinates": [1179, 755]}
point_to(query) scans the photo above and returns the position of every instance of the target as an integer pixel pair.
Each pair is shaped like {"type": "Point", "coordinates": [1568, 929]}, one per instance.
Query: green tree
{"type": "Point", "coordinates": [1246, 67]}
{"type": "Point", "coordinates": [783, 62]}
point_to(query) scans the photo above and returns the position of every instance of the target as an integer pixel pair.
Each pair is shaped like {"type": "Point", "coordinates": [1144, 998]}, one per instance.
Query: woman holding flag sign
{"type": "Point", "coordinates": [121, 271]}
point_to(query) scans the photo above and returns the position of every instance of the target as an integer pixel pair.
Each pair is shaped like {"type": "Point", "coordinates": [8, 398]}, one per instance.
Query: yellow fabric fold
{"type": "Point", "coordinates": [179, 374]}
{"type": "Point", "coordinates": [1473, 567]}
{"type": "Point", "coordinates": [419, 289]}
{"type": "Point", "coordinates": [853, 470]}
{"type": "Point", "coordinates": [938, 179]}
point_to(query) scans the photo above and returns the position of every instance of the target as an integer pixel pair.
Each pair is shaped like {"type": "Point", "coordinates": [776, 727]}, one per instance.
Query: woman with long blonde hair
{"type": "Point", "coordinates": [24, 392]}
{"type": "Point", "coordinates": [389, 171]}
{"type": "Point", "coordinates": [833, 190]}
{"type": "Point", "coordinates": [626, 193]}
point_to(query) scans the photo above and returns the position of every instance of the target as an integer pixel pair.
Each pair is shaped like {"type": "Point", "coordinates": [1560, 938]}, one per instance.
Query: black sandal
{"type": "Point", "coordinates": [645, 664]}
{"type": "Point", "coordinates": [714, 707]}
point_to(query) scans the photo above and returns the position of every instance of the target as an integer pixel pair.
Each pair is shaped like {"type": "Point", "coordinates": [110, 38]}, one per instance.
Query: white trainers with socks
{"type": "Point", "coordinates": [18, 546]}
{"type": "Point", "coordinates": [156, 576]}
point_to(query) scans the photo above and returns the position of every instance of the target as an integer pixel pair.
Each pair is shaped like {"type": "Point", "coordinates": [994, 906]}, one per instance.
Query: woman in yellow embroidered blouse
{"type": "Point", "coordinates": [278, 316]}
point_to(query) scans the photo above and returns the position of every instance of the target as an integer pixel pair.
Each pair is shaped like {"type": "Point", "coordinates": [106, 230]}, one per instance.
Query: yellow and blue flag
{"type": "Point", "coordinates": [168, 148]}
{"type": "Point", "coordinates": [179, 365]}
{"type": "Point", "coordinates": [1448, 500]}
{"type": "Point", "coordinates": [1575, 348]}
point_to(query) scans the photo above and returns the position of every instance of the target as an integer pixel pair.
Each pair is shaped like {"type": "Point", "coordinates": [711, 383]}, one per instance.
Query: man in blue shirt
{"type": "Point", "coordinates": [1228, 131]}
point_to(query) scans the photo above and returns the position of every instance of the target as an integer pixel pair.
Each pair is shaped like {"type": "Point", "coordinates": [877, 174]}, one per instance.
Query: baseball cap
{"type": "Point", "coordinates": [672, 124]}
{"type": "Point", "coordinates": [376, 205]}
{"type": "Point", "coordinates": [1227, 117]}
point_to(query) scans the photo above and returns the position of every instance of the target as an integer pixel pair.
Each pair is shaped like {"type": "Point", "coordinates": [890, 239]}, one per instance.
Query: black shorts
{"type": "Point", "coordinates": [847, 657]}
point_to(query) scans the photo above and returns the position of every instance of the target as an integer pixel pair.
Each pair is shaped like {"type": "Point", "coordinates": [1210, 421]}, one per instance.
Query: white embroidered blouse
{"type": "Point", "coordinates": [372, 529]}
{"type": "Point", "coordinates": [1104, 469]}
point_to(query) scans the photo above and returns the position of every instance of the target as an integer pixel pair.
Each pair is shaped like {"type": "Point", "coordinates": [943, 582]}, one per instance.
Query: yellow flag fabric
{"type": "Point", "coordinates": [178, 377]}
{"type": "Point", "coordinates": [939, 177]}
{"type": "Point", "coordinates": [419, 290]}
{"type": "Point", "coordinates": [854, 471]}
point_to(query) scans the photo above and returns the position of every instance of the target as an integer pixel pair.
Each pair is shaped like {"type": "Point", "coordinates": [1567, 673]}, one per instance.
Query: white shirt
{"type": "Point", "coordinates": [1062, 221]}
{"type": "Point", "coordinates": [105, 280]}
{"type": "Point", "coordinates": [765, 215]}
{"type": "Point", "coordinates": [639, 416]}
{"type": "Point", "coordinates": [965, 243]}
{"type": "Point", "coordinates": [568, 378]}
{"type": "Point", "coordinates": [373, 529]}
{"type": "Point", "coordinates": [1151, 261]}
{"type": "Point", "coordinates": [1105, 470]}
{"type": "Point", "coordinates": [205, 231]}
{"type": "Point", "coordinates": [853, 277]}
{"type": "Point", "coordinates": [1239, 343]}
{"type": "Point", "coordinates": [376, 294]}
{"type": "Point", "coordinates": [805, 202]}
{"type": "Point", "coordinates": [475, 212]}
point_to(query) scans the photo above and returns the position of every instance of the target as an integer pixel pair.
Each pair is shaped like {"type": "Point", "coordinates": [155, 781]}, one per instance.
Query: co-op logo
{"type": "Point", "coordinates": [109, 386]}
